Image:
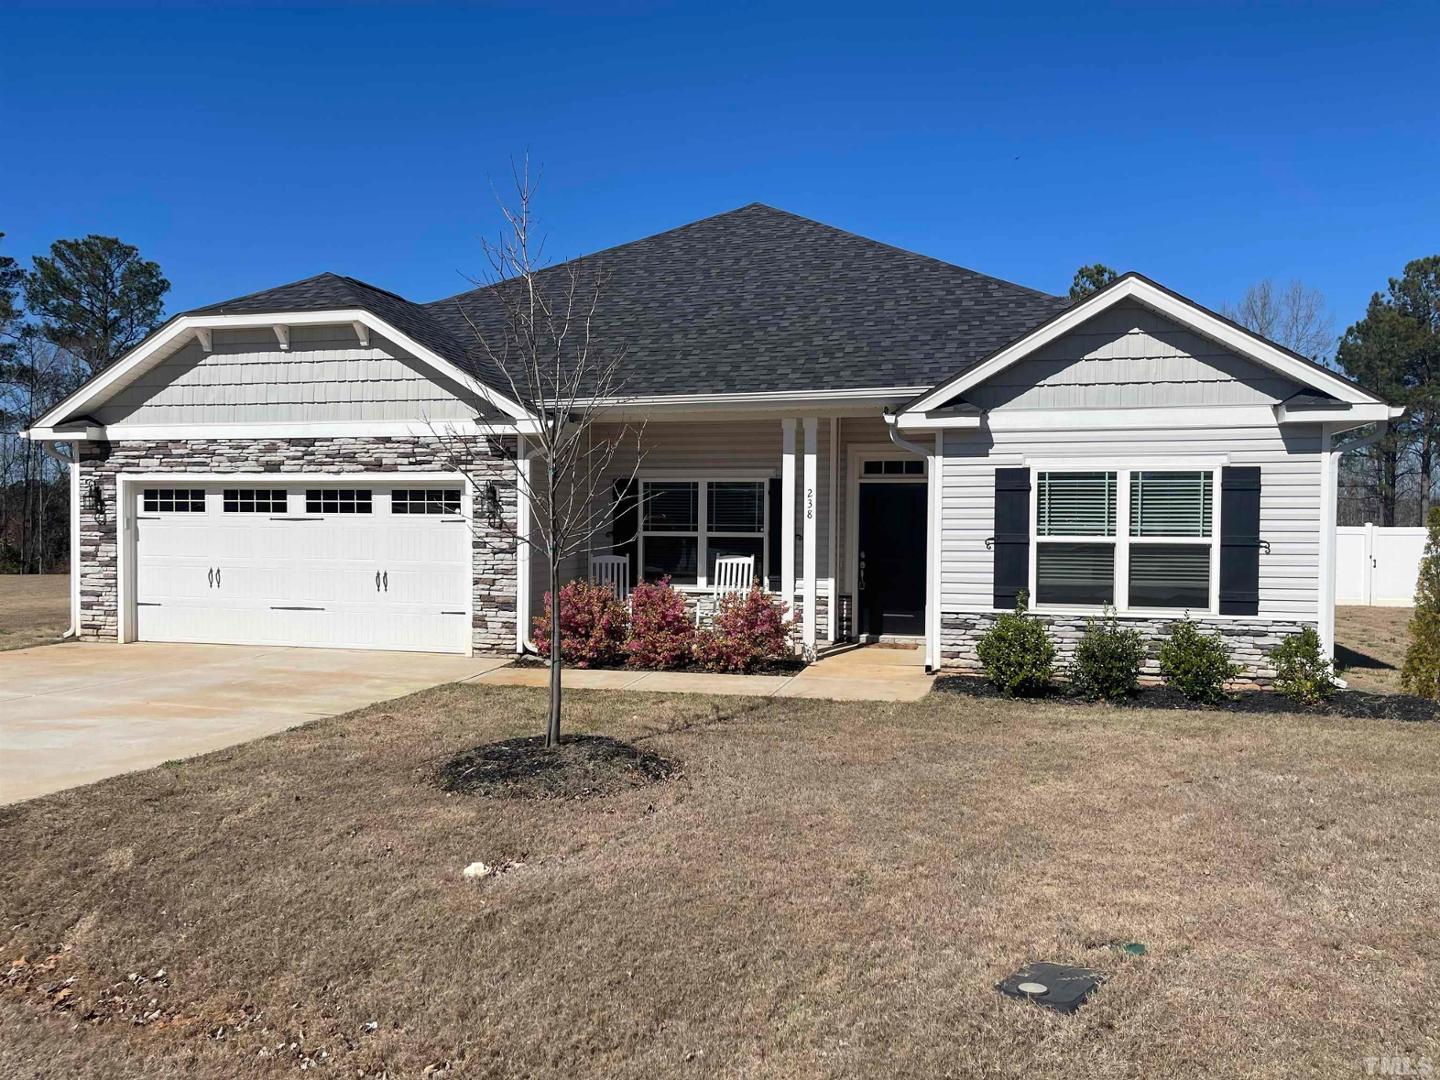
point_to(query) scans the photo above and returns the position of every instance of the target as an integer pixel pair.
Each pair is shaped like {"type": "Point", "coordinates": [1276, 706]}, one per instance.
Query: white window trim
{"type": "Point", "coordinates": [701, 533]}
{"type": "Point", "coordinates": [1122, 538]}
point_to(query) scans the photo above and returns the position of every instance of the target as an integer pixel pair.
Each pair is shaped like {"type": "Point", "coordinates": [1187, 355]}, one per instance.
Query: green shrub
{"type": "Point", "coordinates": [1197, 664]}
{"type": "Point", "coordinates": [1107, 660]}
{"type": "Point", "coordinates": [1302, 671]}
{"type": "Point", "coordinates": [1017, 654]}
{"type": "Point", "coordinates": [1421, 672]}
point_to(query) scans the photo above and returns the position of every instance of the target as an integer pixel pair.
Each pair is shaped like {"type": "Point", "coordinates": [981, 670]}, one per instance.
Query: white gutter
{"type": "Point", "coordinates": [73, 463]}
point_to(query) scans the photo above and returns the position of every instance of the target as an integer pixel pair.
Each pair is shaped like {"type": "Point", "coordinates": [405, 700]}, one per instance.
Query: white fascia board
{"type": "Point", "coordinates": [149, 352]}
{"type": "Point", "coordinates": [780, 398]}
{"type": "Point", "coordinates": [297, 430]}
{"type": "Point", "coordinates": [1181, 311]}
{"type": "Point", "coordinates": [1363, 413]}
{"type": "Point", "coordinates": [913, 421]}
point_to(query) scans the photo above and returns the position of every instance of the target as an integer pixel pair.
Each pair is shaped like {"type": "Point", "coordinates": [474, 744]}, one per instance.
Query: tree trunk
{"type": "Point", "coordinates": [552, 729]}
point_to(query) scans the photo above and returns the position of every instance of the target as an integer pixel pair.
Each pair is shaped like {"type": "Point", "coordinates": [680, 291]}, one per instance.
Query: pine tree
{"type": "Point", "coordinates": [1421, 673]}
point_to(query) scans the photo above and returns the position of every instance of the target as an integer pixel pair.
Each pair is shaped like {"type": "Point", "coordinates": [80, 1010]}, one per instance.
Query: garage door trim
{"type": "Point", "coordinates": [127, 485]}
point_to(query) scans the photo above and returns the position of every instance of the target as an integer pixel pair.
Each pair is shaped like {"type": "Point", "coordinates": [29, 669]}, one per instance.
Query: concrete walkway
{"type": "Point", "coordinates": [868, 673]}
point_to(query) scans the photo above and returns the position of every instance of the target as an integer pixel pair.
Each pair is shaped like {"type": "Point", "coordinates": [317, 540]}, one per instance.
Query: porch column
{"type": "Point", "coordinates": [809, 527]}
{"type": "Point", "coordinates": [787, 511]}
{"type": "Point", "coordinates": [522, 547]}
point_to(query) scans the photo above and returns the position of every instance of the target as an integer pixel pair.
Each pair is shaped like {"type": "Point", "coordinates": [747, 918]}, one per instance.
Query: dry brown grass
{"type": "Point", "coordinates": [34, 609]}
{"type": "Point", "coordinates": [1370, 644]}
{"type": "Point", "coordinates": [829, 890]}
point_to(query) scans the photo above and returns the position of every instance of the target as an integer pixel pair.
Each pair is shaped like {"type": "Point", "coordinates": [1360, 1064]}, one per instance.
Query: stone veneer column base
{"type": "Point", "coordinates": [1250, 640]}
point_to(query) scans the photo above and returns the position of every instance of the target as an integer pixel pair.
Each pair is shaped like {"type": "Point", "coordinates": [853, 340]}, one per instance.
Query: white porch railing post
{"type": "Point", "coordinates": [787, 511]}
{"type": "Point", "coordinates": [809, 502]}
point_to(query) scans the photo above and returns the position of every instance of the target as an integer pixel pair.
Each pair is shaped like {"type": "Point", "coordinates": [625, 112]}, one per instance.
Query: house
{"type": "Point", "coordinates": [904, 445]}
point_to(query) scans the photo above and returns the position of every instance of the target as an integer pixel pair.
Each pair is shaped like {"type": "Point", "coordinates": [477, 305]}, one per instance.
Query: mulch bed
{"type": "Point", "coordinates": [1350, 704]}
{"type": "Point", "coordinates": [581, 767]}
{"type": "Point", "coordinates": [788, 666]}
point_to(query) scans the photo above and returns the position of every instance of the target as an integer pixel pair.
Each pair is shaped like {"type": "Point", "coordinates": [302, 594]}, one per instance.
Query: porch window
{"type": "Point", "coordinates": [688, 524]}
{"type": "Point", "coordinates": [1160, 559]}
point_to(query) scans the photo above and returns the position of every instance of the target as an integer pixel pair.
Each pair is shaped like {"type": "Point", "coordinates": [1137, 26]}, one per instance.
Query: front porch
{"type": "Point", "coordinates": [836, 514]}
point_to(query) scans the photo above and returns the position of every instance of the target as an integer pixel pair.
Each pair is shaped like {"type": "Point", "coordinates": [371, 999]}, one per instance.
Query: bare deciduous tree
{"type": "Point", "coordinates": [536, 327]}
{"type": "Point", "coordinates": [1294, 316]}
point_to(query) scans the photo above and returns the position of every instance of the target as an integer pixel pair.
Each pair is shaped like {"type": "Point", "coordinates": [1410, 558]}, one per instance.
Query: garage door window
{"type": "Point", "coordinates": [255, 501]}
{"type": "Point", "coordinates": [425, 501]}
{"type": "Point", "coordinates": [174, 500]}
{"type": "Point", "coordinates": [337, 501]}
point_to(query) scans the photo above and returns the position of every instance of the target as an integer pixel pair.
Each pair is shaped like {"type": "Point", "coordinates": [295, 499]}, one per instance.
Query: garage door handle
{"type": "Point", "coordinates": [217, 577]}
{"type": "Point", "coordinates": [377, 580]}
{"type": "Point", "coordinates": [210, 577]}
{"type": "Point", "coordinates": [293, 607]}
{"type": "Point", "coordinates": [387, 580]}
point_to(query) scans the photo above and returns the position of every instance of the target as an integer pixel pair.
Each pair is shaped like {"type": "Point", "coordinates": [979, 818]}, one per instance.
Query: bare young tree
{"type": "Point", "coordinates": [1294, 316]}
{"type": "Point", "coordinates": [536, 327]}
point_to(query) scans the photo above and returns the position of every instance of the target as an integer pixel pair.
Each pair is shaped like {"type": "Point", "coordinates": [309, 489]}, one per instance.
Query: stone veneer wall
{"type": "Point", "coordinates": [1250, 640]}
{"type": "Point", "coordinates": [482, 458]}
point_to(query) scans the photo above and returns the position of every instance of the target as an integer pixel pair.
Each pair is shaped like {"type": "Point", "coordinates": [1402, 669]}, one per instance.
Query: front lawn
{"type": "Point", "coordinates": [34, 609]}
{"type": "Point", "coordinates": [826, 889]}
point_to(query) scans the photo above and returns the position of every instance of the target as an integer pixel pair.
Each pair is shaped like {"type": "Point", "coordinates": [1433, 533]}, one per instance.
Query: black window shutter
{"type": "Point", "coordinates": [626, 525]}
{"type": "Point", "coordinates": [1240, 540]}
{"type": "Point", "coordinates": [772, 541]}
{"type": "Point", "coordinates": [1012, 535]}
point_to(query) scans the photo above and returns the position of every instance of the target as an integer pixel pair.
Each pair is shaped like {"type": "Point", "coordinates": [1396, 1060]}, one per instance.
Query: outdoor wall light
{"type": "Point", "coordinates": [492, 505]}
{"type": "Point", "coordinates": [96, 497]}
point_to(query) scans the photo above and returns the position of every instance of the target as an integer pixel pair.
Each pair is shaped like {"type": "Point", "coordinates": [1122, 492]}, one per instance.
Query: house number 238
{"type": "Point", "coordinates": [809, 504]}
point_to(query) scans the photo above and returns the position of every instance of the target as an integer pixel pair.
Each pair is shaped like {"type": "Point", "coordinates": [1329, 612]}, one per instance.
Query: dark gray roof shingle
{"type": "Point", "coordinates": [752, 300]}
{"type": "Point", "coordinates": [759, 299]}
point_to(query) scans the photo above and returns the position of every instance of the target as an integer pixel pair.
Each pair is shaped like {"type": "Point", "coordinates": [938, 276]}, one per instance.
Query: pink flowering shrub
{"type": "Point", "coordinates": [593, 626]}
{"type": "Point", "coordinates": [661, 632]}
{"type": "Point", "coordinates": [749, 630]}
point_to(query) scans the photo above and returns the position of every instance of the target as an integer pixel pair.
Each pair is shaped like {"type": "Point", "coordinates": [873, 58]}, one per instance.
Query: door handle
{"type": "Point", "coordinates": [217, 577]}
{"type": "Point", "coordinates": [377, 580]}
{"type": "Point", "coordinates": [210, 576]}
{"type": "Point", "coordinates": [387, 580]}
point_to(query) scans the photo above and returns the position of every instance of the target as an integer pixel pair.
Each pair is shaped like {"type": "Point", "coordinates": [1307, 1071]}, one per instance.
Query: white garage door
{"type": "Point", "coordinates": [320, 564]}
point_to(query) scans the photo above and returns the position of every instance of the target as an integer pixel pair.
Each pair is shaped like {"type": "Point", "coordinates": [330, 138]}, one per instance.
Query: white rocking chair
{"type": "Point", "coordinates": [733, 574]}
{"type": "Point", "coordinates": [612, 571]}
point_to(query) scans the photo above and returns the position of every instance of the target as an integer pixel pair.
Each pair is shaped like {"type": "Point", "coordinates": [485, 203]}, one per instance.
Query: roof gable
{"type": "Point", "coordinates": [1133, 288]}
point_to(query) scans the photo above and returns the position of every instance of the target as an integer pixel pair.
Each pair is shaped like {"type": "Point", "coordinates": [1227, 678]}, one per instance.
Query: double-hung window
{"type": "Point", "coordinates": [1137, 539]}
{"type": "Point", "coordinates": [687, 524]}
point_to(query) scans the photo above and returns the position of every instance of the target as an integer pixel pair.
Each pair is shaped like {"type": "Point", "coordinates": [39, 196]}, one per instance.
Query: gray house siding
{"type": "Point", "coordinates": [1128, 357]}
{"type": "Point", "coordinates": [325, 376]}
{"type": "Point", "coordinates": [1290, 514]}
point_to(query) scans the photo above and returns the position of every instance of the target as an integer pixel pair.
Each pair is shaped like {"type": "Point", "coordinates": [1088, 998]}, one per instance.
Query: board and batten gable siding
{"type": "Point", "coordinates": [325, 376]}
{"type": "Point", "coordinates": [1127, 356]}
{"type": "Point", "coordinates": [1290, 511]}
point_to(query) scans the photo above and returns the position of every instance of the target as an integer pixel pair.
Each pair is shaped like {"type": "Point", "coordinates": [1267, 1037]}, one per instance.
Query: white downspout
{"type": "Point", "coordinates": [73, 464]}
{"type": "Point", "coordinates": [523, 550]}
{"type": "Point", "coordinates": [932, 552]}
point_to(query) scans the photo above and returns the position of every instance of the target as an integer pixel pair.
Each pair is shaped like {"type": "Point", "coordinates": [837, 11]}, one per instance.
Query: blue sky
{"type": "Point", "coordinates": [1208, 146]}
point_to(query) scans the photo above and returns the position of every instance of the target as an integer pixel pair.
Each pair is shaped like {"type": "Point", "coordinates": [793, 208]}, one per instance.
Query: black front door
{"type": "Point", "coordinates": [891, 567]}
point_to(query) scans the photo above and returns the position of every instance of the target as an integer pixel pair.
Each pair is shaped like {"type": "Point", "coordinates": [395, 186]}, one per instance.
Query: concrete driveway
{"type": "Point", "coordinates": [72, 714]}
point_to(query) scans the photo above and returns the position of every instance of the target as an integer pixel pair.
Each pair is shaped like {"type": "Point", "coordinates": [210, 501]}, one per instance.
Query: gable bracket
{"type": "Point", "coordinates": [363, 333]}
{"type": "Point", "coordinates": [282, 335]}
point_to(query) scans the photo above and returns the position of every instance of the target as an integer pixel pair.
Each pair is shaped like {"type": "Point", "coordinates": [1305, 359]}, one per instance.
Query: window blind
{"type": "Point", "coordinates": [1171, 503]}
{"type": "Point", "coordinates": [1076, 504]}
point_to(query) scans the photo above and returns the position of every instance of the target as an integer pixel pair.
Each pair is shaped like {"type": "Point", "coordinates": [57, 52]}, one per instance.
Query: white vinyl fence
{"type": "Point", "coordinates": [1376, 565]}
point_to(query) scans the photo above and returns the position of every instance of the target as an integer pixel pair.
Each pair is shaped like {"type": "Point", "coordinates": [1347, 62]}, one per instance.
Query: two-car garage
{"type": "Point", "coordinates": [324, 561]}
